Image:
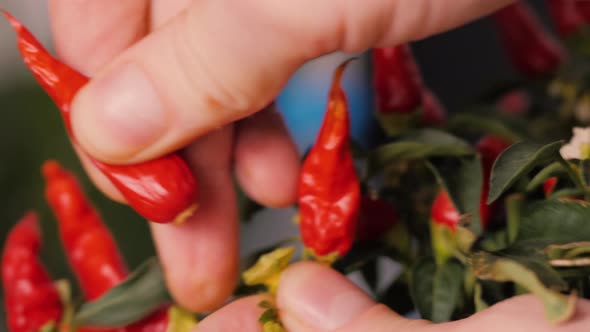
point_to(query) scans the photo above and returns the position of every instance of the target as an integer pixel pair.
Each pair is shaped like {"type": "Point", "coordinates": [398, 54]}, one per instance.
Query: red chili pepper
{"type": "Point", "coordinates": [161, 190]}
{"type": "Point", "coordinates": [565, 16]}
{"type": "Point", "coordinates": [31, 299]}
{"type": "Point", "coordinates": [433, 112]}
{"type": "Point", "coordinates": [444, 211]}
{"type": "Point", "coordinates": [397, 80]}
{"type": "Point", "coordinates": [516, 102]}
{"type": "Point", "coordinates": [89, 245]}
{"type": "Point", "coordinates": [584, 10]}
{"type": "Point", "coordinates": [329, 190]}
{"type": "Point", "coordinates": [489, 148]}
{"type": "Point", "coordinates": [531, 49]}
{"type": "Point", "coordinates": [549, 185]}
{"type": "Point", "coordinates": [376, 218]}
{"type": "Point", "coordinates": [400, 91]}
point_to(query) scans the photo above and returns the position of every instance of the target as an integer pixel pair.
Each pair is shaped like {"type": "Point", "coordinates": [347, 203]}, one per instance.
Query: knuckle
{"type": "Point", "coordinates": [216, 90]}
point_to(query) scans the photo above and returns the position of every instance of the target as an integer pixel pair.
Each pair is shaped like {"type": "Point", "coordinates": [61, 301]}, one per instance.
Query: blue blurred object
{"type": "Point", "coordinates": [303, 101]}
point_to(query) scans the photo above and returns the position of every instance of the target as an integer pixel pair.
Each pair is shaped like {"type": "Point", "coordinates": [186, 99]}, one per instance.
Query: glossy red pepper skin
{"type": "Point", "coordinates": [31, 299]}
{"type": "Point", "coordinates": [89, 245]}
{"type": "Point", "coordinates": [376, 218]}
{"type": "Point", "coordinates": [161, 190]}
{"type": "Point", "coordinates": [489, 148]}
{"type": "Point", "coordinates": [444, 212]}
{"type": "Point", "coordinates": [396, 79]}
{"type": "Point", "coordinates": [532, 51]}
{"type": "Point", "coordinates": [566, 16]}
{"type": "Point", "coordinates": [328, 188]}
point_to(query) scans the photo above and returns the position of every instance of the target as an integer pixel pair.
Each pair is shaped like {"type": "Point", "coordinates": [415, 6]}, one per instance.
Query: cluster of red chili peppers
{"type": "Point", "coordinates": [161, 190]}
{"type": "Point", "coordinates": [531, 49]}
{"type": "Point", "coordinates": [31, 297]}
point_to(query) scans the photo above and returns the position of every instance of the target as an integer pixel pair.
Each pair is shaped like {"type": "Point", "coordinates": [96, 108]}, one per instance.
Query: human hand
{"type": "Point", "coordinates": [179, 74]}
{"type": "Point", "coordinates": [314, 298]}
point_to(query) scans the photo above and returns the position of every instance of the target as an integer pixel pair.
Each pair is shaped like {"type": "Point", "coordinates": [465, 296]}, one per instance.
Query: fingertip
{"type": "Point", "coordinates": [200, 268]}
{"type": "Point", "coordinates": [266, 159]}
{"type": "Point", "coordinates": [240, 315]}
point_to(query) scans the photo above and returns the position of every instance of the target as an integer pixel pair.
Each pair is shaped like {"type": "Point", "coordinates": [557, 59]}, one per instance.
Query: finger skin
{"type": "Point", "coordinates": [266, 159]}
{"type": "Point", "coordinates": [89, 33]}
{"type": "Point", "coordinates": [77, 28]}
{"type": "Point", "coordinates": [308, 291]}
{"type": "Point", "coordinates": [241, 315]}
{"type": "Point", "coordinates": [220, 61]}
{"type": "Point", "coordinates": [200, 257]}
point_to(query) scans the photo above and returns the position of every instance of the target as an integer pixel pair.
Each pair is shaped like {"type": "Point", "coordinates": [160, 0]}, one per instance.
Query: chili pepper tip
{"type": "Point", "coordinates": [51, 169]}
{"type": "Point", "coordinates": [340, 71]}
{"type": "Point", "coordinates": [12, 20]}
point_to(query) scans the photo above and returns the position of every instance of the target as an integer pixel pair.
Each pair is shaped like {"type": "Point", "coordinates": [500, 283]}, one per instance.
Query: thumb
{"type": "Point", "coordinates": [312, 297]}
{"type": "Point", "coordinates": [219, 61]}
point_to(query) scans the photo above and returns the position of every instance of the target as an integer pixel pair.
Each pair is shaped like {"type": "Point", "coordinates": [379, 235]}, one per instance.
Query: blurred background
{"type": "Point", "coordinates": [458, 65]}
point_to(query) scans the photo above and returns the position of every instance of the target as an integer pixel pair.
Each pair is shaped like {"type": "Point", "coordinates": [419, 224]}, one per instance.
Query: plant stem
{"type": "Point", "coordinates": [574, 176]}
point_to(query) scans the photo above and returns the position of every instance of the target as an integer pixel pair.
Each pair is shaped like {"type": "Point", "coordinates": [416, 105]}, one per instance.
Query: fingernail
{"type": "Point", "coordinates": [320, 297]}
{"type": "Point", "coordinates": [117, 115]}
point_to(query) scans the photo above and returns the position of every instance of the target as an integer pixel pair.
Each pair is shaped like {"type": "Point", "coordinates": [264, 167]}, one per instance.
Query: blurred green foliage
{"type": "Point", "coordinates": [32, 132]}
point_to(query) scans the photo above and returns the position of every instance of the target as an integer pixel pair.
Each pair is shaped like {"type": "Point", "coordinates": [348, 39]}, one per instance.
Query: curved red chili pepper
{"type": "Point", "coordinates": [565, 16]}
{"type": "Point", "coordinates": [375, 219]}
{"type": "Point", "coordinates": [161, 190]}
{"type": "Point", "coordinates": [329, 190]}
{"type": "Point", "coordinates": [31, 299]}
{"type": "Point", "coordinates": [531, 49]}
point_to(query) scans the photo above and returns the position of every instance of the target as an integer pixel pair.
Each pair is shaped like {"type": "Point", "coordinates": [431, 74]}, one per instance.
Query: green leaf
{"type": "Point", "coordinates": [436, 290]}
{"type": "Point", "coordinates": [143, 292]}
{"type": "Point", "coordinates": [448, 282]}
{"type": "Point", "coordinates": [517, 161]}
{"type": "Point", "coordinates": [421, 144]}
{"type": "Point", "coordinates": [422, 286]}
{"type": "Point", "coordinates": [463, 182]}
{"type": "Point", "coordinates": [482, 124]}
{"type": "Point", "coordinates": [532, 255]}
{"type": "Point", "coordinates": [558, 308]}
{"type": "Point", "coordinates": [555, 222]}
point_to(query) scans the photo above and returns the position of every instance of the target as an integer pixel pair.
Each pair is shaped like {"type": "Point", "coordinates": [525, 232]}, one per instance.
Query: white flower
{"type": "Point", "coordinates": [579, 145]}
